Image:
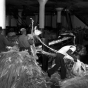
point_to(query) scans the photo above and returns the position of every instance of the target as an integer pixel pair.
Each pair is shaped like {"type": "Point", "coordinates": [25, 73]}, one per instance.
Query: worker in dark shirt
{"type": "Point", "coordinates": [4, 42]}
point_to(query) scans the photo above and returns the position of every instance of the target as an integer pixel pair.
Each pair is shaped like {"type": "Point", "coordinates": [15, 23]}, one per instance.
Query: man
{"type": "Point", "coordinates": [22, 40]}
{"type": "Point", "coordinates": [4, 42]}
{"type": "Point", "coordinates": [65, 51]}
{"type": "Point", "coordinates": [25, 40]}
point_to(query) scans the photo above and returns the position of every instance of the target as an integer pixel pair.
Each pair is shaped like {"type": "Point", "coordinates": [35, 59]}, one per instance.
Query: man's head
{"type": "Point", "coordinates": [78, 48]}
{"type": "Point", "coordinates": [23, 30]}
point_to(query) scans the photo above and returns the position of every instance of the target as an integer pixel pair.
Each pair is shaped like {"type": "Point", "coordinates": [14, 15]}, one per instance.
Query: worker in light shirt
{"type": "Point", "coordinates": [23, 40]}
{"type": "Point", "coordinates": [66, 51]}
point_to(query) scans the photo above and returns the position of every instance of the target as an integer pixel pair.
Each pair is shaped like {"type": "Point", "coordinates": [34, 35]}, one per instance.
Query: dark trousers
{"type": "Point", "coordinates": [44, 57]}
{"type": "Point", "coordinates": [45, 62]}
{"type": "Point", "coordinates": [59, 61]}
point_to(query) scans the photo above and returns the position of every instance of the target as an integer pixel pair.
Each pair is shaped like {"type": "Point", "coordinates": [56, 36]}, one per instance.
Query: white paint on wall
{"type": "Point", "coordinates": [77, 22]}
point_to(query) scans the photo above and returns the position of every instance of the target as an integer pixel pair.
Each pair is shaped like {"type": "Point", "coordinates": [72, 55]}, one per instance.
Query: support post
{"type": "Point", "coordinates": [69, 23]}
{"type": "Point", "coordinates": [41, 26]}
{"type": "Point", "coordinates": [19, 17]}
{"type": "Point", "coordinates": [59, 23]}
{"type": "Point", "coordinates": [2, 15]}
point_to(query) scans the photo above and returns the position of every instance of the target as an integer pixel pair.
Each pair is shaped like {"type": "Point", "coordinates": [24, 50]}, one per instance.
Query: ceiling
{"type": "Point", "coordinates": [32, 6]}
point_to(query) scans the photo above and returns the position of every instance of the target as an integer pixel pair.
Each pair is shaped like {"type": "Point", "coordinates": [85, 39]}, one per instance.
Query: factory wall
{"type": "Point", "coordinates": [50, 21]}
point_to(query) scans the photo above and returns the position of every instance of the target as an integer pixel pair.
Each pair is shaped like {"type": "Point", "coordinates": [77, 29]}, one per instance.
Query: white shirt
{"type": "Point", "coordinates": [64, 50]}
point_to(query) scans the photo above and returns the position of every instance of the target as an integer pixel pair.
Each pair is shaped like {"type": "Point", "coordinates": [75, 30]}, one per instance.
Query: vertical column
{"type": "Point", "coordinates": [42, 14]}
{"type": "Point", "coordinates": [41, 26]}
{"type": "Point", "coordinates": [59, 24]}
{"type": "Point", "coordinates": [36, 18]}
{"type": "Point", "coordinates": [9, 20]}
{"type": "Point", "coordinates": [69, 23]}
{"type": "Point", "coordinates": [19, 17]}
{"type": "Point", "coordinates": [2, 14]}
{"type": "Point", "coordinates": [51, 20]}
{"type": "Point", "coordinates": [54, 20]}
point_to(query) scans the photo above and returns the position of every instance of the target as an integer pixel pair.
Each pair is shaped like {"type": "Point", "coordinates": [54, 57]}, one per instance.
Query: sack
{"type": "Point", "coordinates": [79, 68]}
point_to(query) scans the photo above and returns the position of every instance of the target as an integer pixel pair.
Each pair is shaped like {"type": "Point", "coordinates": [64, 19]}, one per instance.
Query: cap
{"type": "Point", "coordinates": [22, 29]}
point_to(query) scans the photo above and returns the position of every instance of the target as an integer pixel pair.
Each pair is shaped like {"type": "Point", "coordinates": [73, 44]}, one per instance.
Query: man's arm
{"type": "Point", "coordinates": [47, 53]}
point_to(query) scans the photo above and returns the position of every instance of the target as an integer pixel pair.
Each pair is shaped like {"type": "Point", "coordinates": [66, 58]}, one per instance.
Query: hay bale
{"type": "Point", "coordinates": [76, 82]}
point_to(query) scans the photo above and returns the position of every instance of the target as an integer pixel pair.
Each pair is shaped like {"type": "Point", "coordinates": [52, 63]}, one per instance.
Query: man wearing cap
{"type": "Point", "coordinates": [23, 40]}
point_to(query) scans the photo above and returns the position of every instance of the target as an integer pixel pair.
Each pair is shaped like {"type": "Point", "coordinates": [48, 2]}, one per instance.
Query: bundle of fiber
{"type": "Point", "coordinates": [20, 70]}
{"type": "Point", "coordinates": [69, 65]}
{"type": "Point", "coordinates": [76, 82]}
{"type": "Point", "coordinates": [79, 68]}
{"type": "Point", "coordinates": [55, 78]}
